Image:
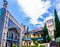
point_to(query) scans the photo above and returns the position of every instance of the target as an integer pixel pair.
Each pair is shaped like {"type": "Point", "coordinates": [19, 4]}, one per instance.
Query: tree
{"type": "Point", "coordinates": [34, 41]}
{"type": "Point", "coordinates": [46, 36]}
{"type": "Point", "coordinates": [45, 32]}
{"type": "Point", "coordinates": [58, 40]}
{"type": "Point", "coordinates": [57, 24]}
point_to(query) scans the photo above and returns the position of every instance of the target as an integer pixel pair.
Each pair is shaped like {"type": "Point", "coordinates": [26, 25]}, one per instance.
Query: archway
{"type": "Point", "coordinates": [12, 37]}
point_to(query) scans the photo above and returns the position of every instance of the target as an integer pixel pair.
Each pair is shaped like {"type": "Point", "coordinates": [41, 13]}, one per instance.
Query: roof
{"type": "Point", "coordinates": [26, 33]}
{"type": "Point", "coordinates": [38, 32]}
{"type": "Point", "coordinates": [35, 30]}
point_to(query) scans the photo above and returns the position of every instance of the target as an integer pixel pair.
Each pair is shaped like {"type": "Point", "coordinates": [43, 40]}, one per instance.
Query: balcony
{"type": "Point", "coordinates": [27, 39]}
{"type": "Point", "coordinates": [12, 40]}
{"type": "Point", "coordinates": [37, 39]}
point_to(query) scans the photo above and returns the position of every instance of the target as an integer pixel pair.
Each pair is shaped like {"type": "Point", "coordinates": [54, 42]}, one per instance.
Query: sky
{"type": "Point", "coordinates": [32, 13]}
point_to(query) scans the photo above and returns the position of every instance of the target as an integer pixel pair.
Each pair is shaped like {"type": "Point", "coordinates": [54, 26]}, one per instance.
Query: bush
{"type": "Point", "coordinates": [42, 45]}
{"type": "Point", "coordinates": [34, 46]}
{"type": "Point", "coordinates": [24, 46]}
{"type": "Point", "coordinates": [14, 45]}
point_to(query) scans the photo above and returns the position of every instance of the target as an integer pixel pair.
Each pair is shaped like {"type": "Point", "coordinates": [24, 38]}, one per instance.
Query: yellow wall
{"type": "Point", "coordinates": [35, 36]}
{"type": "Point", "coordinates": [32, 36]}
{"type": "Point", "coordinates": [29, 35]}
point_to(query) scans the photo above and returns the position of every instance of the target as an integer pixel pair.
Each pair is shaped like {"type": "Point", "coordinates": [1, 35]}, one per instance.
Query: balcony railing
{"type": "Point", "coordinates": [38, 39]}
{"type": "Point", "coordinates": [13, 40]}
{"type": "Point", "coordinates": [27, 39]}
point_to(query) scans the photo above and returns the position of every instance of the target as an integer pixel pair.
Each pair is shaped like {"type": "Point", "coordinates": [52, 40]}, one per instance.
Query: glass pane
{"type": "Point", "coordinates": [0, 12]}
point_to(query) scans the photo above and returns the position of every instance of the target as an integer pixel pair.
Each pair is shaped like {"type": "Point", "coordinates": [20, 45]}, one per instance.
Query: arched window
{"type": "Point", "coordinates": [7, 34]}
{"type": "Point", "coordinates": [12, 36]}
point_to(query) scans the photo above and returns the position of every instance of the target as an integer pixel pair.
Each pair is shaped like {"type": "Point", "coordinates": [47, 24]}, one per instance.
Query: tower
{"type": "Point", "coordinates": [50, 27]}
{"type": "Point", "coordinates": [3, 24]}
{"type": "Point", "coordinates": [5, 4]}
{"type": "Point", "coordinates": [10, 29]}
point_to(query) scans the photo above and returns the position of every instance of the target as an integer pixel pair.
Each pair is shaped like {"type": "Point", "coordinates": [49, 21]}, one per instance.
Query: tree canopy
{"type": "Point", "coordinates": [46, 36]}
{"type": "Point", "coordinates": [57, 24]}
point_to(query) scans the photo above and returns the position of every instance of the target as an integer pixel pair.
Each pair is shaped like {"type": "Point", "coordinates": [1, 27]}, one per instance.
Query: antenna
{"type": "Point", "coordinates": [5, 4]}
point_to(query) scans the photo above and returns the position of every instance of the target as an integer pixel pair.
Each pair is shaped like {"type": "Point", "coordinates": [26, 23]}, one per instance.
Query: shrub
{"type": "Point", "coordinates": [42, 45]}
{"type": "Point", "coordinates": [34, 46]}
{"type": "Point", "coordinates": [14, 45]}
{"type": "Point", "coordinates": [24, 46]}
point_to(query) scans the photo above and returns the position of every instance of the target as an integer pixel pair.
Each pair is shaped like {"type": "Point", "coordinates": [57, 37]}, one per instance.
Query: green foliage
{"type": "Point", "coordinates": [27, 29]}
{"type": "Point", "coordinates": [57, 24]}
{"type": "Point", "coordinates": [24, 46]}
{"type": "Point", "coordinates": [34, 46]}
{"type": "Point", "coordinates": [45, 33]}
{"type": "Point", "coordinates": [2, 46]}
{"type": "Point", "coordinates": [58, 39]}
{"type": "Point", "coordinates": [40, 42]}
{"type": "Point", "coordinates": [14, 45]}
{"type": "Point", "coordinates": [46, 36]}
{"type": "Point", "coordinates": [49, 38]}
{"type": "Point", "coordinates": [34, 40]}
{"type": "Point", "coordinates": [42, 45]}
{"type": "Point", "coordinates": [31, 46]}
{"type": "Point", "coordinates": [23, 37]}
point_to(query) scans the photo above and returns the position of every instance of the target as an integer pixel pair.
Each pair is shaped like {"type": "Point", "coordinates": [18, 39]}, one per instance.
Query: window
{"type": "Point", "coordinates": [49, 22]}
{"type": "Point", "coordinates": [12, 36]}
{"type": "Point", "coordinates": [51, 33]}
{"type": "Point", "coordinates": [4, 35]}
{"type": "Point", "coordinates": [27, 36]}
{"type": "Point", "coordinates": [29, 43]}
{"type": "Point", "coordinates": [0, 12]}
{"type": "Point", "coordinates": [51, 28]}
{"type": "Point", "coordinates": [34, 34]}
{"type": "Point", "coordinates": [16, 37]}
{"type": "Point", "coordinates": [5, 27]}
{"type": "Point", "coordinates": [6, 18]}
{"type": "Point", "coordinates": [38, 35]}
{"type": "Point", "coordinates": [3, 39]}
{"type": "Point", "coordinates": [7, 34]}
{"type": "Point", "coordinates": [3, 43]}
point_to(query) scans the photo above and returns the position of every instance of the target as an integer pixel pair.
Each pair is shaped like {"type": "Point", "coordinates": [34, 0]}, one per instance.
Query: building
{"type": "Point", "coordinates": [10, 29]}
{"type": "Point", "coordinates": [30, 35]}
{"type": "Point", "coordinates": [50, 26]}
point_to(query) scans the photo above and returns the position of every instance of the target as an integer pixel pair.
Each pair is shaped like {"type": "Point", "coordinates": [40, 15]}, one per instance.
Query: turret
{"type": "Point", "coordinates": [5, 4]}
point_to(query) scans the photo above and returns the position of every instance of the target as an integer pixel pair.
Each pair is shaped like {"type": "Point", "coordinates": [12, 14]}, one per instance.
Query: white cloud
{"type": "Point", "coordinates": [58, 8]}
{"type": "Point", "coordinates": [34, 9]}
{"type": "Point", "coordinates": [34, 21]}
{"type": "Point", "coordinates": [51, 16]}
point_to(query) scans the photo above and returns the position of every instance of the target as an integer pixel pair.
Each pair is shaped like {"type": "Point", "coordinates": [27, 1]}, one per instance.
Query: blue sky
{"type": "Point", "coordinates": [32, 13]}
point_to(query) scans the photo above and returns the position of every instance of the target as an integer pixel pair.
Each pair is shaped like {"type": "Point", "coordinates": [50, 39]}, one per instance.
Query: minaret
{"type": "Point", "coordinates": [5, 4]}
{"type": "Point", "coordinates": [3, 25]}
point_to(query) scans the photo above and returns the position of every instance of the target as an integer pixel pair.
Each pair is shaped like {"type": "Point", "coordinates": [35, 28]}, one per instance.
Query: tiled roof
{"type": "Point", "coordinates": [35, 30]}
{"type": "Point", "coordinates": [39, 30]}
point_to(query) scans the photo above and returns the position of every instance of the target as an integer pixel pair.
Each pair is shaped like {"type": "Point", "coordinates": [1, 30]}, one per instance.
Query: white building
{"type": "Point", "coordinates": [50, 26]}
